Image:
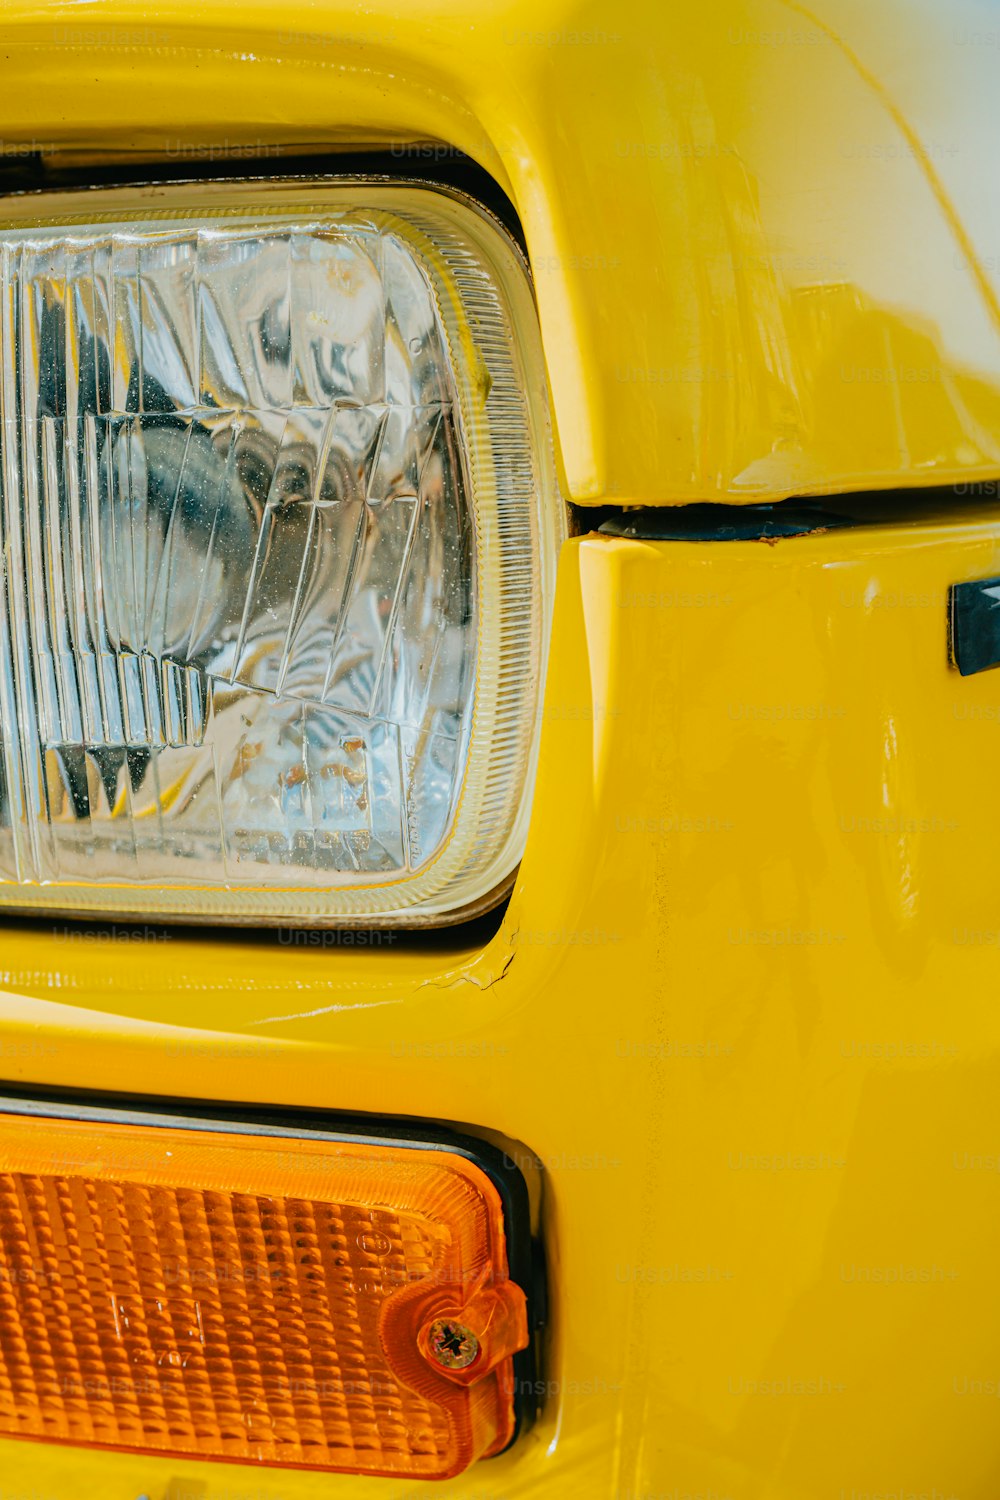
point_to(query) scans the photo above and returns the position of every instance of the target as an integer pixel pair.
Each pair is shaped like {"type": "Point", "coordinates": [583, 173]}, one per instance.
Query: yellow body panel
{"type": "Point", "coordinates": [765, 239]}
{"type": "Point", "coordinates": [742, 1006]}
{"type": "Point", "coordinates": [743, 1003]}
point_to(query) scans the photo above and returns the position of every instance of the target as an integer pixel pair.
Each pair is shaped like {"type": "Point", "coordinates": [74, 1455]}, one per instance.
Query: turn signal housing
{"type": "Point", "coordinates": [204, 1290]}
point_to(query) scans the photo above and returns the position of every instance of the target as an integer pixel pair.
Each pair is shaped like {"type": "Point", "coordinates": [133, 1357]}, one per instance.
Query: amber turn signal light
{"type": "Point", "coordinates": [307, 1302]}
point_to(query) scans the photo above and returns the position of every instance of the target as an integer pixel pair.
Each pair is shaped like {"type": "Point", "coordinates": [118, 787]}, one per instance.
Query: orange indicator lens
{"type": "Point", "coordinates": [300, 1302]}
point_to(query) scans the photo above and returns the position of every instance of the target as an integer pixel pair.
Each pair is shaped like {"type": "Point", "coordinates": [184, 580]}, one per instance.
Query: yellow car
{"type": "Point", "coordinates": [499, 562]}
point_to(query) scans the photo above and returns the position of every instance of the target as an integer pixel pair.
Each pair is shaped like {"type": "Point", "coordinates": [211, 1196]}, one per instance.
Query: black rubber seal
{"type": "Point", "coordinates": [420, 163]}
{"type": "Point", "coordinates": [722, 523]}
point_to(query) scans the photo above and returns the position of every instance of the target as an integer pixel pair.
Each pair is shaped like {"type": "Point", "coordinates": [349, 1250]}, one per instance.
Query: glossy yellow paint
{"type": "Point", "coordinates": [743, 1002]}
{"type": "Point", "coordinates": [764, 236]}
{"type": "Point", "coordinates": [742, 1006]}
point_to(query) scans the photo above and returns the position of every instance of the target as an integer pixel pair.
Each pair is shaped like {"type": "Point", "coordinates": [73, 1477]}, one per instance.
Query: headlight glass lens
{"type": "Point", "coordinates": [278, 520]}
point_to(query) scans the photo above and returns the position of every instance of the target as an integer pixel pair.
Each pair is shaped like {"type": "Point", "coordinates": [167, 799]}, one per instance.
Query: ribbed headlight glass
{"type": "Point", "coordinates": [278, 523]}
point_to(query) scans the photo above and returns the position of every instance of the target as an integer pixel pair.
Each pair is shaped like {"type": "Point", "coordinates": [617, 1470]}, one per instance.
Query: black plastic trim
{"type": "Point", "coordinates": [458, 933]}
{"type": "Point", "coordinates": [974, 625]}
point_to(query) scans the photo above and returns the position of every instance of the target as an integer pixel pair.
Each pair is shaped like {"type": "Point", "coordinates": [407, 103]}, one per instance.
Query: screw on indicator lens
{"type": "Point", "coordinates": [451, 1344]}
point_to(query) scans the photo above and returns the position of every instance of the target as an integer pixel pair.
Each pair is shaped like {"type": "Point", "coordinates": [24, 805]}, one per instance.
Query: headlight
{"type": "Point", "coordinates": [278, 520]}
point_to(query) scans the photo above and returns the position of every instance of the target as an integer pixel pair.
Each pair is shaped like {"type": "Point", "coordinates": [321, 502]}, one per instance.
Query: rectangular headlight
{"type": "Point", "coordinates": [278, 523]}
